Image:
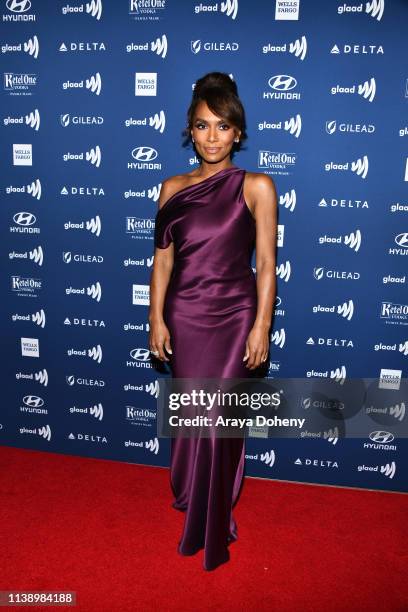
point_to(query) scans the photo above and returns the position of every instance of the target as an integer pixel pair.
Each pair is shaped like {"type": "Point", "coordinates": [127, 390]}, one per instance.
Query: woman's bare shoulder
{"type": "Point", "coordinates": [171, 185]}
{"type": "Point", "coordinates": [259, 179]}
{"type": "Point", "coordinates": [258, 185]}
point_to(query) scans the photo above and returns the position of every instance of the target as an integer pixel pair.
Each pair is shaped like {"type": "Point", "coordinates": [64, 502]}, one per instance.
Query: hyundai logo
{"type": "Point", "coordinates": [282, 82]}
{"type": "Point", "coordinates": [24, 218]}
{"type": "Point", "coordinates": [145, 154]}
{"type": "Point", "coordinates": [33, 401]}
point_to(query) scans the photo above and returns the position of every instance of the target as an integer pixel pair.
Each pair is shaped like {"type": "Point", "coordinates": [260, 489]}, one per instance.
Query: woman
{"type": "Point", "coordinates": [209, 316]}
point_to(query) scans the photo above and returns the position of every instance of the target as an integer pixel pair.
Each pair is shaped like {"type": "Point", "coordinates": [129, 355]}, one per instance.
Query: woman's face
{"type": "Point", "coordinates": [214, 137]}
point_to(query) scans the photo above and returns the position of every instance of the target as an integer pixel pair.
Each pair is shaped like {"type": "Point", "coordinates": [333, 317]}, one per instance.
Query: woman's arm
{"type": "Point", "coordinates": [262, 194]}
{"type": "Point", "coordinates": [163, 262]}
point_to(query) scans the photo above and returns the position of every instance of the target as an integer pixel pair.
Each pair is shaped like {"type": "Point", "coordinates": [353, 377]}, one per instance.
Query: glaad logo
{"type": "Point", "coordinates": [96, 411]}
{"type": "Point", "coordinates": [298, 48]}
{"type": "Point", "coordinates": [41, 377]}
{"type": "Point", "coordinates": [387, 470]}
{"type": "Point", "coordinates": [352, 240]}
{"type": "Point", "coordinates": [18, 10]}
{"type": "Point", "coordinates": [346, 309]}
{"type": "Point", "coordinates": [94, 291]}
{"type": "Point", "coordinates": [153, 193]}
{"type": "Point", "coordinates": [375, 9]}
{"type": "Point", "coordinates": [94, 353]}
{"type": "Point", "coordinates": [92, 120]}
{"type": "Point", "coordinates": [43, 432]}
{"type": "Point", "coordinates": [278, 337]}
{"type": "Point", "coordinates": [359, 167]}
{"type": "Point", "coordinates": [349, 128]}
{"type": "Point", "coordinates": [93, 225]}
{"type": "Point", "coordinates": [339, 375]}
{"type": "Point", "coordinates": [93, 156]}
{"type": "Point", "coordinates": [292, 125]}
{"type": "Point", "coordinates": [158, 46]}
{"type": "Point", "coordinates": [36, 255]}
{"type": "Point", "coordinates": [282, 85]}
{"type": "Point", "coordinates": [196, 46]}
{"type": "Point", "coordinates": [357, 49]}
{"type": "Point", "coordinates": [93, 8]}
{"type": "Point", "coordinates": [32, 120]}
{"type": "Point", "coordinates": [283, 271]}
{"type": "Point", "coordinates": [37, 317]}
{"type": "Point", "coordinates": [288, 200]}
{"type": "Point", "coordinates": [153, 446]}
{"type": "Point", "coordinates": [93, 84]}
{"type": "Point", "coordinates": [19, 84]}
{"type": "Point", "coordinates": [157, 121]}
{"type": "Point", "coordinates": [229, 7]}
{"type": "Point", "coordinates": [367, 89]}
{"type": "Point", "coordinates": [31, 46]}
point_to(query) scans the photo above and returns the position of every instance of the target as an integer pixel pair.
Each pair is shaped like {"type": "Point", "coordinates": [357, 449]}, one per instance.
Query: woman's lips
{"type": "Point", "coordinates": [212, 149]}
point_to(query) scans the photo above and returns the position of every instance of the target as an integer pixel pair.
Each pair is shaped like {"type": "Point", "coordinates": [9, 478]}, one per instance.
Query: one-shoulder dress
{"type": "Point", "coordinates": [209, 309]}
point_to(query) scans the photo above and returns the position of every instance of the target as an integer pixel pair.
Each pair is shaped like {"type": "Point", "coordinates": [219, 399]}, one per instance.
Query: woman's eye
{"type": "Point", "coordinates": [225, 125]}
{"type": "Point", "coordinates": [200, 125]}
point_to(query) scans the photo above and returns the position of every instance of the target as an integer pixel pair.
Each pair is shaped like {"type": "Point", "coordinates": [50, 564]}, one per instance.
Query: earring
{"type": "Point", "coordinates": [192, 139]}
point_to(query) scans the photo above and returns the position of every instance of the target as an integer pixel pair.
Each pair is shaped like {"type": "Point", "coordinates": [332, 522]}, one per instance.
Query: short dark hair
{"type": "Point", "coordinates": [220, 93]}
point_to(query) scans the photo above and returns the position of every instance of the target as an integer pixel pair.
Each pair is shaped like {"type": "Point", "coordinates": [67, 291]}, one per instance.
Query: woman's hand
{"type": "Point", "coordinates": [257, 347]}
{"type": "Point", "coordinates": [159, 337]}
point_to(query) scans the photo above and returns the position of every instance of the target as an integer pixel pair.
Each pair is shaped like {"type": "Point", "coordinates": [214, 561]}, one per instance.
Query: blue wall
{"type": "Point", "coordinates": [83, 153]}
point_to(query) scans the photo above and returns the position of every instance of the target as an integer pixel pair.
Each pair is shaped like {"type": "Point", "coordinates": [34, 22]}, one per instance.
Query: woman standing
{"type": "Point", "coordinates": [209, 316]}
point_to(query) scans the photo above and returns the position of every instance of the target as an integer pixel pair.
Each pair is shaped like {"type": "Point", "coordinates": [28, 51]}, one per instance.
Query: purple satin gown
{"type": "Point", "coordinates": [210, 307]}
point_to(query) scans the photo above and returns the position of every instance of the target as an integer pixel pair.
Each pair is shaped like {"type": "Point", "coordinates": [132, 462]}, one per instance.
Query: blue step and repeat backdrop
{"type": "Point", "coordinates": [93, 103]}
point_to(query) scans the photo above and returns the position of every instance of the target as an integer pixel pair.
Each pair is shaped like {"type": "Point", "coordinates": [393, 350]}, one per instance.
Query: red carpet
{"type": "Point", "coordinates": [107, 530]}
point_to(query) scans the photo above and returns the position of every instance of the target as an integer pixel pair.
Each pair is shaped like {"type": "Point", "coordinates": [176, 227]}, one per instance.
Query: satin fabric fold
{"type": "Point", "coordinates": [209, 309]}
